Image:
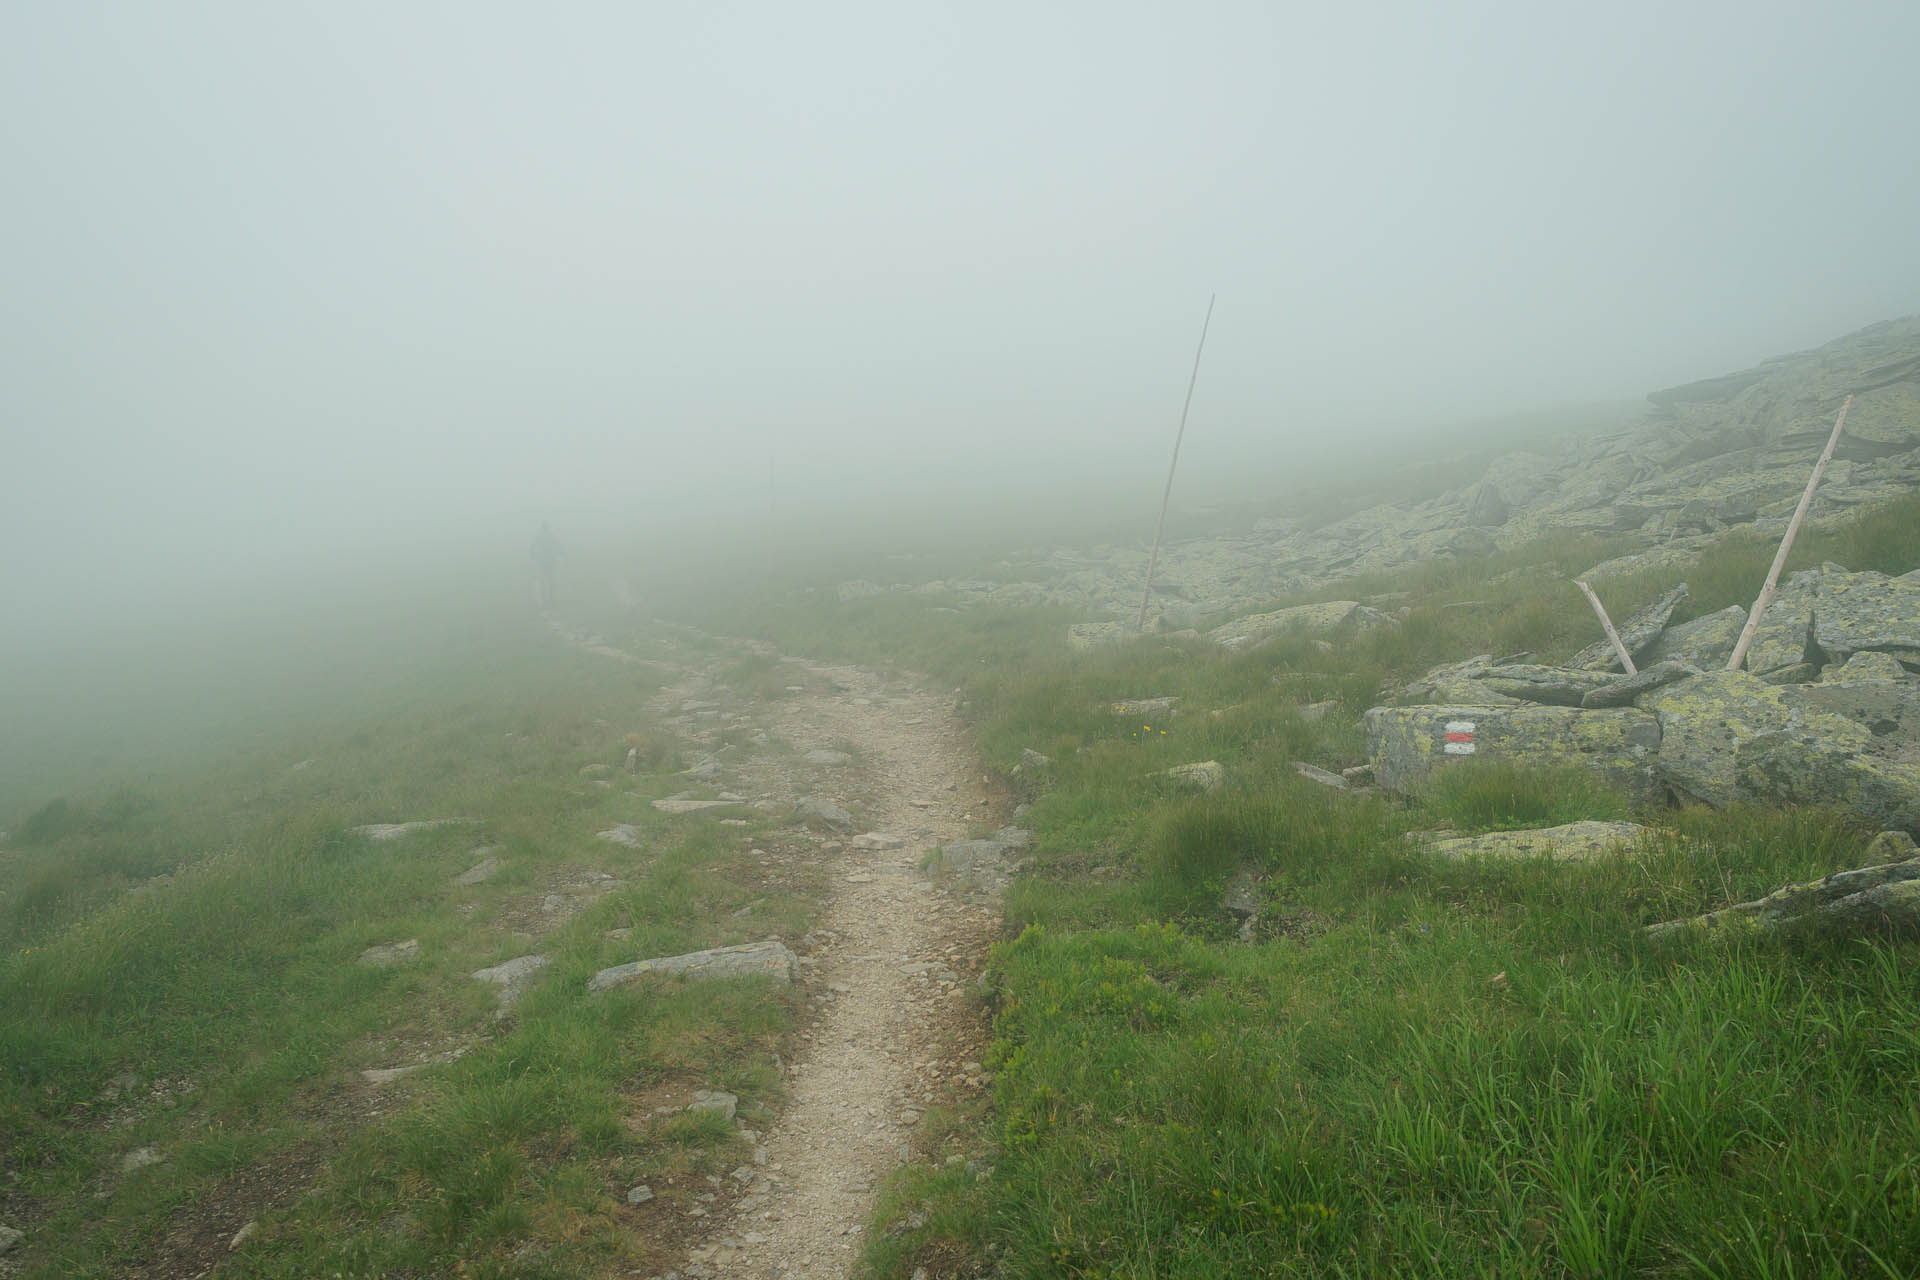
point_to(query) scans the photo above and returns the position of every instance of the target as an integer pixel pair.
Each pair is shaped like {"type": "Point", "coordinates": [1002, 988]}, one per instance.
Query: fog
{"type": "Point", "coordinates": [293, 290]}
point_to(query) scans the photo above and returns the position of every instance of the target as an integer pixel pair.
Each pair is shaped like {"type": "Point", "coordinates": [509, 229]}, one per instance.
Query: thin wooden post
{"type": "Point", "coordinates": [1626, 659]}
{"type": "Point", "coordinates": [1786, 543]}
{"type": "Point", "coordinates": [1140, 624]}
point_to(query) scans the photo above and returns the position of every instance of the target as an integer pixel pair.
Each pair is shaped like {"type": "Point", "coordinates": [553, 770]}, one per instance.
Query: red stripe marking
{"type": "Point", "coordinates": [1459, 737]}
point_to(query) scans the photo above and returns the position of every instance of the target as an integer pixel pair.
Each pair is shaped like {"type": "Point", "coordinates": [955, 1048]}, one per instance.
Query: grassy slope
{"type": "Point", "coordinates": [218, 1015]}
{"type": "Point", "coordinates": [1420, 1068]}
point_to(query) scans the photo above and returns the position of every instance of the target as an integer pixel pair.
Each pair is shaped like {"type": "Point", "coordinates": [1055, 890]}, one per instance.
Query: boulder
{"type": "Point", "coordinates": [1554, 686]}
{"type": "Point", "coordinates": [752, 960]}
{"type": "Point", "coordinates": [1706, 642]}
{"type": "Point", "coordinates": [1406, 744]}
{"type": "Point", "coordinates": [1863, 897]}
{"type": "Point", "coordinates": [1623, 691]}
{"type": "Point", "coordinates": [1637, 633]}
{"type": "Point", "coordinates": [1574, 842]}
{"type": "Point", "coordinates": [1305, 619]}
{"type": "Point", "coordinates": [1858, 612]}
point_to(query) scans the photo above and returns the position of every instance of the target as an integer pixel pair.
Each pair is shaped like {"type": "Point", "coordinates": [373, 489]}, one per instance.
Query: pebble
{"type": "Point", "coordinates": [640, 1194]}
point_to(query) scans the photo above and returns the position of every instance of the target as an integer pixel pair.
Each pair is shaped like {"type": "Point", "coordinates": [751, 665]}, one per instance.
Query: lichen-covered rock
{"type": "Point", "coordinates": [1624, 690]}
{"type": "Point", "coordinates": [1706, 642]}
{"type": "Point", "coordinates": [1867, 666]}
{"type": "Point", "coordinates": [1573, 842]}
{"type": "Point", "coordinates": [1407, 744]}
{"type": "Point", "coordinates": [1784, 638]}
{"type": "Point", "coordinates": [1306, 619]}
{"type": "Point", "coordinates": [1453, 682]}
{"type": "Point", "coordinates": [1201, 775]}
{"type": "Point", "coordinates": [1810, 765]}
{"type": "Point", "coordinates": [751, 960]}
{"type": "Point", "coordinates": [1554, 686]}
{"type": "Point", "coordinates": [1637, 633]}
{"type": "Point", "coordinates": [1706, 719]}
{"type": "Point", "coordinates": [1853, 612]}
{"type": "Point", "coordinates": [1085, 637]}
{"type": "Point", "coordinates": [1863, 896]}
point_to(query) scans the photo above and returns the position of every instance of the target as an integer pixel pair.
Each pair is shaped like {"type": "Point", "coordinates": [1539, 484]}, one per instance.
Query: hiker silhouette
{"type": "Point", "coordinates": [545, 552]}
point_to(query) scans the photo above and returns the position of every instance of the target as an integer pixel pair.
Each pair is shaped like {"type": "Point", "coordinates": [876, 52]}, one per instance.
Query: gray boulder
{"type": "Point", "coordinates": [1574, 842]}
{"type": "Point", "coordinates": [1706, 642]}
{"type": "Point", "coordinates": [1623, 691]}
{"type": "Point", "coordinates": [824, 811]}
{"type": "Point", "coordinates": [1637, 634]}
{"type": "Point", "coordinates": [1406, 745]}
{"type": "Point", "coordinates": [1306, 619]}
{"type": "Point", "coordinates": [1554, 686]}
{"type": "Point", "coordinates": [753, 960]}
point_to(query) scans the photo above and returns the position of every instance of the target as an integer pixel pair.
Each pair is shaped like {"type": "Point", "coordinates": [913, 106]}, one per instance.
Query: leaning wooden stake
{"type": "Point", "coordinates": [1626, 659]}
{"type": "Point", "coordinates": [1786, 544]}
{"type": "Point", "coordinates": [1140, 624]}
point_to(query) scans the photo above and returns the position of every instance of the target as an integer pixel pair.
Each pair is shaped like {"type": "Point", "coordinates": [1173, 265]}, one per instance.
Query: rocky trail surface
{"type": "Point", "coordinates": [889, 965]}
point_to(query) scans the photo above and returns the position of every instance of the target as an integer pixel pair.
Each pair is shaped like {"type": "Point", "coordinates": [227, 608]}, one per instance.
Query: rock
{"type": "Point", "coordinates": [1031, 759]}
{"type": "Point", "coordinates": [706, 770]}
{"type": "Point", "coordinates": [633, 760]}
{"type": "Point", "coordinates": [1623, 691]}
{"type": "Point", "coordinates": [979, 864]}
{"type": "Point", "coordinates": [1406, 744]}
{"type": "Point", "coordinates": [1313, 773]}
{"type": "Point", "coordinates": [1358, 773]}
{"type": "Point", "coordinates": [1149, 707]}
{"type": "Point", "coordinates": [1453, 682]}
{"type": "Point", "coordinates": [625, 834]}
{"type": "Point", "coordinates": [1574, 842]}
{"type": "Point", "coordinates": [1863, 897]}
{"type": "Point", "coordinates": [686, 804]}
{"type": "Point", "coordinates": [1706, 642]}
{"type": "Point", "coordinates": [858, 589]}
{"type": "Point", "coordinates": [597, 772]}
{"type": "Point", "coordinates": [512, 976]}
{"type": "Point", "coordinates": [640, 1194]}
{"type": "Point", "coordinates": [1313, 712]}
{"type": "Point", "coordinates": [385, 1075]}
{"type": "Point", "coordinates": [1084, 637]}
{"type": "Point", "coordinates": [140, 1158]}
{"type": "Point", "coordinates": [1868, 665]}
{"type": "Point", "coordinates": [555, 902]}
{"type": "Point", "coordinates": [9, 1237]}
{"type": "Point", "coordinates": [1201, 775]}
{"type": "Point", "coordinates": [1305, 619]}
{"type": "Point", "coordinates": [1014, 837]}
{"type": "Point", "coordinates": [395, 830]}
{"type": "Point", "coordinates": [479, 872]}
{"type": "Point", "coordinates": [1242, 901]}
{"type": "Point", "coordinates": [388, 954]}
{"type": "Point", "coordinates": [1554, 686]}
{"type": "Point", "coordinates": [1637, 633]}
{"type": "Point", "coordinates": [715, 1100]}
{"type": "Point", "coordinates": [875, 842]}
{"type": "Point", "coordinates": [1857, 612]}
{"type": "Point", "coordinates": [244, 1234]}
{"type": "Point", "coordinates": [1891, 846]}
{"type": "Point", "coordinates": [754, 959]}
{"type": "Point", "coordinates": [822, 810]}
{"type": "Point", "coordinates": [825, 756]}
{"type": "Point", "coordinates": [1784, 638]}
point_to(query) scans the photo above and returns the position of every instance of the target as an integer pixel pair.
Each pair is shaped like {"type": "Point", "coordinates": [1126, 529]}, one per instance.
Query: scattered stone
{"type": "Point", "coordinates": [1706, 642]}
{"type": "Point", "coordinates": [1360, 774]}
{"type": "Point", "coordinates": [244, 1234]}
{"type": "Point", "coordinates": [715, 1100]}
{"type": "Point", "coordinates": [1552, 686]}
{"type": "Point", "coordinates": [1313, 773]}
{"type": "Point", "coordinates": [555, 902]}
{"type": "Point", "coordinates": [640, 1194]}
{"type": "Point", "coordinates": [1149, 707]}
{"type": "Point", "coordinates": [388, 954]}
{"type": "Point", "coordinates": [511, 976]}
{"type": "Point", "coordinates": [706, 770]}
{"type": "Point", "coordinates": [1314, 712]}
{"type": "Point", "coordinates": [484, 870]}
{"type": "Point", "coordinates": [395, 830]}
{"type": "Point", "coordinates": [140, 1158]}
{"type": "Point", "coordinates": [596, 772]}
{"type": "Point", "coordinates": [822, 810]}
{"type": "Point", "coordinates": [754, 959]}
{"type": "Point", "coordinates": [875, 842]}
{"type": "Point", "coordinates": [625, 834]}
{"type": "Point", "coordinates": [1031, 759]}
{"type": "Point", "coordinates": [1241, 900]}
{"type": "Point", "coordinates": [1574, 842]}
{"type": "Point", "coordinates": [825, 756]}
{"type": "Point", "coordinates": [9, 1237]}
{"type": "Point", "coordinates": [385, 1075]}
{"type": "Point", "coordinates": [1201, 775]}
{"type": "Point", "coordinates": [686, 804]}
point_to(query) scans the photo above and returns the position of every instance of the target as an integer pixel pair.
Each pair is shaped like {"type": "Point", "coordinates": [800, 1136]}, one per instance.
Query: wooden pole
{"type": "Point", "coordinates": [1140, 624]}
{"type": "Point", "coordinates": [1626, 659]}
{"type": "Point", "coordinates": [1786, 543]}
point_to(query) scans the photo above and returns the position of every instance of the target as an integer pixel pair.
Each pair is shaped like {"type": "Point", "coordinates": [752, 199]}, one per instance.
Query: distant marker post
{"type": "Point", "coordinates": [1140, 624]}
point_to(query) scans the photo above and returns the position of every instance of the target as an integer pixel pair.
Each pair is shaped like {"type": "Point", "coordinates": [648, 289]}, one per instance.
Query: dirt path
{"type": "Point", "coordinates": [896, 954]}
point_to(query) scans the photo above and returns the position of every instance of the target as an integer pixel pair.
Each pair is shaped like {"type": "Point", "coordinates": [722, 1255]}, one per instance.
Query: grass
{"type": "Point", "coordinates": [178, 971]}
{"type": "Point", "coordinates": [1418, 1067]}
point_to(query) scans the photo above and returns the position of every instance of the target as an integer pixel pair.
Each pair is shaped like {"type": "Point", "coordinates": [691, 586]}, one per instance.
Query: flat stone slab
{"type": "Point", "coordinates": [484, 870]}
{"type": "Point", "coordinates": [1574, 842]}
{"type": "Point", "coordinates": [510, 973]}
{"type": "Point", "coordinates": [673, 804]}
{"type": "Point", "coordinates": [828, 757]}
{"type": "Point", "coordinates": [626, 833]}
{"type": "Point", "coordinates": [1313, 773]}
{"type": "Point", "coordinates": [389, 954]}
{"type": "Point", "coordinates": [395, 830]}
{"type": "Point", "coordinates": [1201, 775]}
{"type": "Point", "coordinates": [877, 842]}
{"type": "Point", "coordinates": [751, 960]}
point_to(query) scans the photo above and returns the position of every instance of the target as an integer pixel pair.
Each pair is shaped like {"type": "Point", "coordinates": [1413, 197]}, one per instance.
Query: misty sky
{"type": "Point", "coordinates": [279, 278]}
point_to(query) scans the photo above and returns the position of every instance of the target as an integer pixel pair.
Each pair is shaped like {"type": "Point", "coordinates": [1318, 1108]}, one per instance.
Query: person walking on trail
{"type": "Point", "coordinates": [546, 550]}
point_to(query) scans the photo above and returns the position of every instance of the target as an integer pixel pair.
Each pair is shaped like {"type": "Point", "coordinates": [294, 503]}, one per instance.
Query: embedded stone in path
{"type": "Point", "coordinates": [770, 959]}
{"type": "Point", "coordinates": [876, 842]}
{"type": "Point", "coordinates": [826, 756]}
{"type": "Point", "coordinates": [389, 954]}
{"type": "Point", "coordinates": [395, 830]}
{"type": "Point", "coordinates": [821, 809]}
